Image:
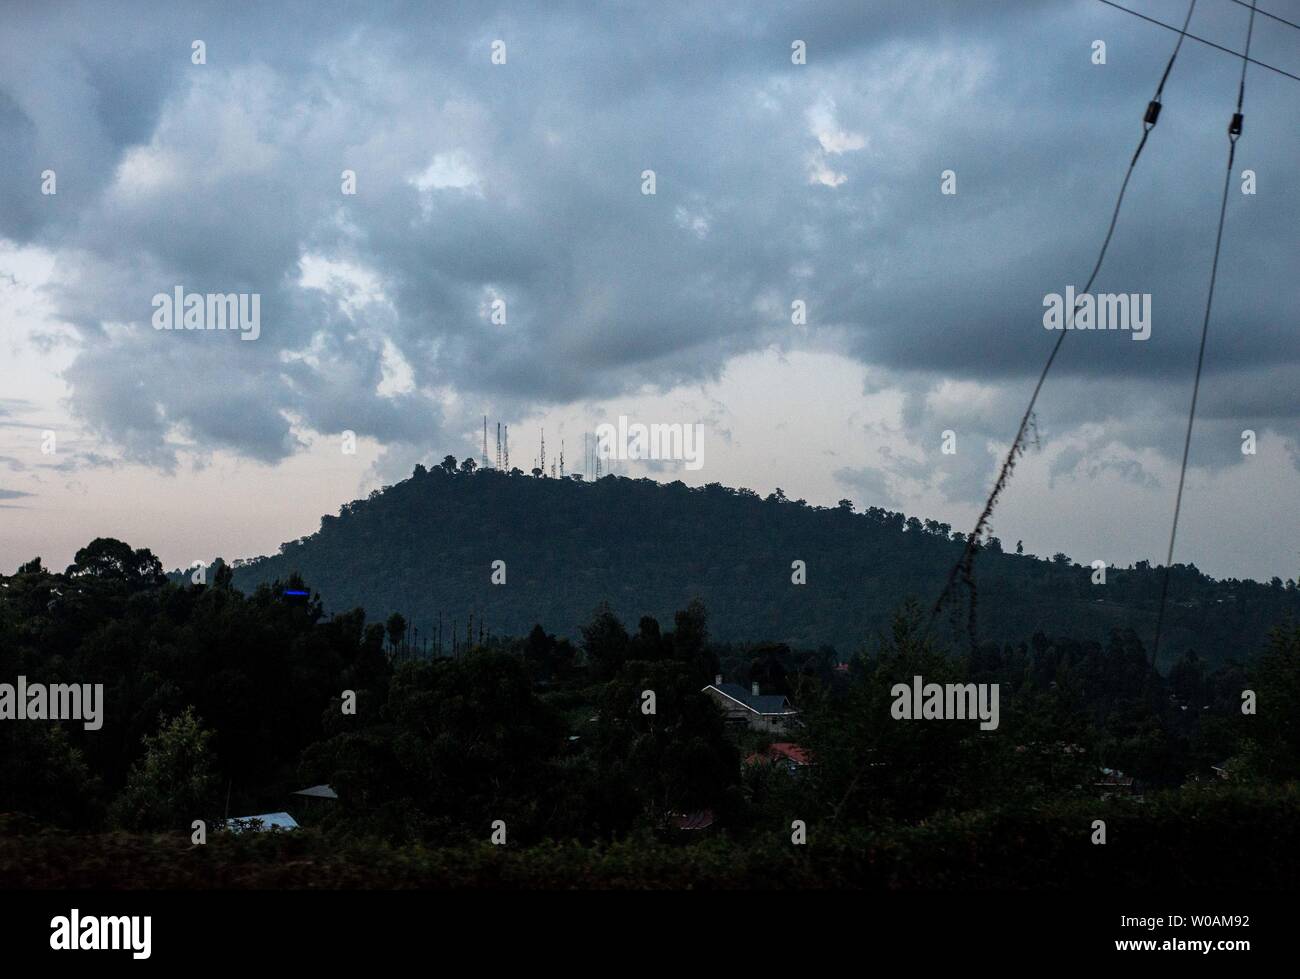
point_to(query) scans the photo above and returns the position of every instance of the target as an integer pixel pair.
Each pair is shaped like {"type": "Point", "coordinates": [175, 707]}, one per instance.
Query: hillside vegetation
{"type": "Point", "coordinates": [425, 548]}
{"type": "Point", "coordinates": [218, 704]}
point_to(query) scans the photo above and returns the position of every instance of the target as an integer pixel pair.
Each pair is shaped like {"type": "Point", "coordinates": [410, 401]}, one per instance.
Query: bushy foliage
{"type": "Point", "coordinates": [1045, 847]}
{"type": "Point", "coordinates": [222, 703]}
{"type": "Point", "coordinates": [425, 546]}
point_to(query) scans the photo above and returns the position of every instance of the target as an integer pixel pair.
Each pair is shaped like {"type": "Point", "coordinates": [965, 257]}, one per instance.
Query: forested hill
{"type": "Point", "coordinates": [427, 546]}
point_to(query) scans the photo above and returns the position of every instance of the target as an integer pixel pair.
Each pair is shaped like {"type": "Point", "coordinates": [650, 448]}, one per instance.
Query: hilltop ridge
{"type": "Point", "coordinates": [426, 546]}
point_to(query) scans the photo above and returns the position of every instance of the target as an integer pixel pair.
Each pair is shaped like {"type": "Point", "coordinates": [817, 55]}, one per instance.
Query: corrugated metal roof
{"type": "Point", "coordinates": [781, 749]}
{"type": "Point", "coordinates": [265, 822]}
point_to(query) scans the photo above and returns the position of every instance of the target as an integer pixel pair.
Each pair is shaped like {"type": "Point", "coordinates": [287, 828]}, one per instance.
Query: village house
{"type": "Point", "coordinates": [759, 711]}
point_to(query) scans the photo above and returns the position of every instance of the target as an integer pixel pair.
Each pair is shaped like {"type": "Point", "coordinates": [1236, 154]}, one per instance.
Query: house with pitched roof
{"type": "Point", "coordinates": [754, 709]}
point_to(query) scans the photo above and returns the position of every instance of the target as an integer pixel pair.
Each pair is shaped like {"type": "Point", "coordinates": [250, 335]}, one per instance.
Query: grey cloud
{"type": "Point", "coordinates": [237, 166]}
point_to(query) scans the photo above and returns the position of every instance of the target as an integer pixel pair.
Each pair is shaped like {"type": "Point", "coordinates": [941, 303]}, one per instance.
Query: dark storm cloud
{"type": "Point", "coordinates": [775, 182]}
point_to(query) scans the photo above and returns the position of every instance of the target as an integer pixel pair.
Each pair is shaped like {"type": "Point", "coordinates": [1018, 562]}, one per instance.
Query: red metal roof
{"type": "Point", "coordinates": [781, 749]}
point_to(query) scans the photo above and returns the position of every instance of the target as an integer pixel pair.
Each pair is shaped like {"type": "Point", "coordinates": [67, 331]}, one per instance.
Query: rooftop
{"type": "Point", "coordinates": [781, 749]}
{"type": "Point", "coordinates": [763, 703]}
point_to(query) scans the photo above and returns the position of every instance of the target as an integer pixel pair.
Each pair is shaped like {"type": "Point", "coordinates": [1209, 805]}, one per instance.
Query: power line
{"type": "Point", "coordinates": [1234, 131]}
{"type": "Point", "coordinates": [964, 568]}
{"type": "Point", "coordinates": [1170, 27]}
{"type": "Point", "coordinates": [1265, 13]}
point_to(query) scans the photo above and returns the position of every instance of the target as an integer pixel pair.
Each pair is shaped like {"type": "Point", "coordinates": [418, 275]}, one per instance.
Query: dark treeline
{"type": "Point", "coordinates": [425, 548]}
{"type": "Point", "coordinates": [218, 702]}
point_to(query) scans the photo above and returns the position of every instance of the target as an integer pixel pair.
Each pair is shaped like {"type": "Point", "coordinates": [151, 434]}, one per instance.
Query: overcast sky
{"type": "Point", "coordinates": [522, 182]}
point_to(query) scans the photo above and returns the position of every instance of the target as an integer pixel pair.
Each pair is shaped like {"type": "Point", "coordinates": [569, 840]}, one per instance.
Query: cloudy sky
{"type": "Point", "coordinates": [522, 182]}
